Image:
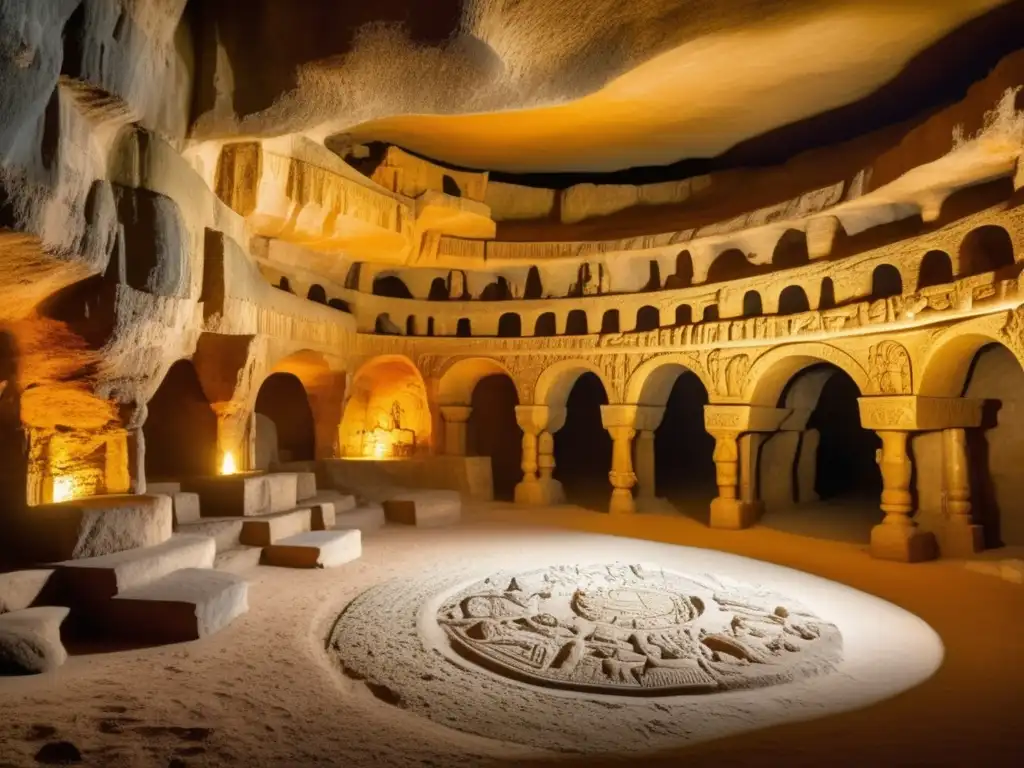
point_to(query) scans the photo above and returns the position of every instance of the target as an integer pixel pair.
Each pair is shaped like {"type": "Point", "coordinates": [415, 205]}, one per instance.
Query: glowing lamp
{"type": "Point", "coordinates": [380, 451]}
{"type": "Point", "coordinates": [227, 466]}
{"type": "Point", "coordinates": [63, 489]}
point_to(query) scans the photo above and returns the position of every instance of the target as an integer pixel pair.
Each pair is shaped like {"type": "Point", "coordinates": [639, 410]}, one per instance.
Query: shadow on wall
{"type": "Point", "coordinates": [493, 431]}
{"type": "Point", "coordinates": [180, 428]}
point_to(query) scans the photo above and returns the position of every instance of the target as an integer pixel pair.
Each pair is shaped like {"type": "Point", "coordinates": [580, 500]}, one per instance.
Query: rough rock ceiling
{"type": "Point", "coordinates": [553, 85]}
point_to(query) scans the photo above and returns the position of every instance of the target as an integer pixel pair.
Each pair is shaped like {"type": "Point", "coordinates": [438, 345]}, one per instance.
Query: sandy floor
{"type": "Point", "coordinates": [264, 692]}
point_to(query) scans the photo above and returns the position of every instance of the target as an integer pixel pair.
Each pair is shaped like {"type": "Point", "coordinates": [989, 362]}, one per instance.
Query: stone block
{"type": "Point", "coordinates": [21, 589]}
{"type": "Point", "coordinates": [323, 516]}
{"type": "Point", "coordinates": [265, 530]}
{"type": "Point", "coordinates": [305, 485]}
{"type": "Point", "coordinates": [94, 579]}
{"type": "Point", "coordinates": [185, 507]}
{"type": "Point", "coordinates": [424, 508]}
{"type": "Point", "coordinates": [30, 640]}
{"type": "Point", "coordinates": [225, 531]}
{"type": "Point", "coordinates": [186, 605]}
{"type": "Point", "coordinates": [95, 526]}
{"type": "Point", "coordinates": [366, 517]}
{"type": "Point", "coordinates": [238, 559]}
{"type": "Point", "coordinates": [315, 549]}
{"type": "Point", "coordinates": [733, 514]}
{"type": "Point", "coordinates": [244, 495]}
{"type": "Point", "coordinates": [903, 543]}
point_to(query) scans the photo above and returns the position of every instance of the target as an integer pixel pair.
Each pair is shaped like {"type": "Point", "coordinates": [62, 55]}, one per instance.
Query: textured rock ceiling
{"type": "Point", "coordinates": [552, 85]}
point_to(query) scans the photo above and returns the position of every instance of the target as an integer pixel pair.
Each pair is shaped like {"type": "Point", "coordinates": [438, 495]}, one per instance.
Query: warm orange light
{"type": "Point", "coordinates": [227, 466]}
{"type": "Point", "coordinates": [63, 489]}
{"type": "Point", "coordinates": [380, 451]}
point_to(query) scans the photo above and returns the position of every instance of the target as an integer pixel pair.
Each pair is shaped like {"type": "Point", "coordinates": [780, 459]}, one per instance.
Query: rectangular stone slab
{"type": "Point", "coordinates": [165, 489]}
{"type": "Point", "coordinates": [266, 529]}
{"type": "Point", "coordinates": [20, 589]}
{"type": "Point", "coordinates": [305, 485]}
{"type": "Point", "coordinates": [101, 578]}
{"type": "Point", "coordinates": [186, 605]}
{"type": "Point", "coordinates": [315, 549]}
{"type": "Point", "coordinates": [95, 526]}
{"type": "Point", "coordinates": [367, 517]}
{"type": "Point", "coordinates": [244, 495]}
{"type": "Point", "coordinates": [185, 506]}
{"type": "Point", "coordinates": [424, 509]}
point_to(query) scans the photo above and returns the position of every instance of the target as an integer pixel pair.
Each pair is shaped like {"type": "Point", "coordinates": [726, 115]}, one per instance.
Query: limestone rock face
{"type": "Point", "coordinates": [30, 641]}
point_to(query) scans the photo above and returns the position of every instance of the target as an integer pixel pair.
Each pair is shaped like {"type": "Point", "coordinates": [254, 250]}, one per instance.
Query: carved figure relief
{"type": "Point", "coordinates": [635, 630]}
{"type": "Point", "coordinates": [889, 368]}
{"type": "Point", "coordinates": [729, 376]}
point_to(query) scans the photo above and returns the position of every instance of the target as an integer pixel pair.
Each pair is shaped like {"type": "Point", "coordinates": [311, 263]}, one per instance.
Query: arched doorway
{"type": "Point", "coordinates": [284, 422]}
{"type": "Point", "coordinates": [391, 286]}
{"type": "Point", "coordinates": [986, 249]}
{"type": "Point", "coordinates": [583, 447]}
{"type": "Point", "coordinates": [684, 469]}
{"type": "Point", "coordinates": [493, 431]}
{"type": "Point", "coordinates": [886, 281]}
{"type": "Point", "coordinates": [180, 430]}
{"type": "Point", "coordinates": [821, 478]}
{"type": "Point", "coordinates": [387, 415]}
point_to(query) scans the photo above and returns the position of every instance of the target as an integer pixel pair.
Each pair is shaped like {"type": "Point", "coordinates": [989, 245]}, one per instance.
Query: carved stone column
{"type": "Point", "coordinates": [961, 537]}
{"type": "Point", "coordinates": [898, 537]}
{"type": "Point", "coordinates": [648, 419]}
{"type": "Point", "coordinates": [538, 487]}
{"type": "Point", "coordinates": [455, 419]}
{"type": "Point", "coordinates": [620, 421]}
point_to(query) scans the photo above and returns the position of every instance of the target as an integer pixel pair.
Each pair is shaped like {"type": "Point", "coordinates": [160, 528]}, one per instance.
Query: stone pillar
{"type": "Point", "coordinates": [116, 476]}
{"type": "Point", "coordinates": [620, 421]}
{"type": "Point", "coordinates": [538, 487]}
{"type": "Point", "coordinates": [136, 461]}
{"type": "Point", "coordinates": [898, 537]}
{"type": "Point", "coordinates": [749, 448]}
{"type": "Point", "coordinates": [455, 419]}
{"type": "Point", "coordinates": [960, 537]}
{"type": "Point", "coordinates": [648, 419]}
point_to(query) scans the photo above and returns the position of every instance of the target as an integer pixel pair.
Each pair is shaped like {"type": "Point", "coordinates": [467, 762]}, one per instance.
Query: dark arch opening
{"type": "Point", "coordinates": [885, 282]}
{"type": "Point", "coordinates": [793, 300]}
{"type": "Point", "coordinates": [533, 289]}
{"type": "Point", "coordinates": [731, 265]}
{"type": "Point", "coordinates": [576, 324]}
{"type": "Point", "coordinates": [339, 304]}
{"type": "Point", "coordinates": [410, 325]}
{"type": "Point", "coordinates": [450, 186]}
{"type": "Point", "coordinates": [683, 464]}
{"type": "Point", "coordinates": [510, 326]}
{"type": "Point", "coordinates": [995, 451]}
{"type": "Point", "coordinates": [352, 278]}
{"type": "Point", "coordinates": [684, 314]}
{"type": "Point", "coordinates": [463, 328]}
{"type": "Point", "coordinates": [583, 447]}
{"type": "Point", "coordinates": [647, 318]}
{"type": "Point", "coordinates": [654, 281]}
{"type": "Point", "coordinates": [986, 249]}
{"type": "Point", "coordinates": [494, 432]}
{"type": "Point", "coordinates": [317, 293]}
{"type": "Point", "coordinates": [497, 291]}
{"type": "Point", "coordinates": [710, 314]}
{"type": "Point", "coordinates": [392, 287]}
{"type": "Point", "coordinates": [438, 290]}
{"type": "Point", "coordinates": [284, 285]}
{"type": "Point", "coordinates": [828, 294]}
{"type": "Point", "coordinates": [430, 326]}
{"type": "Point", "coordinates": [284, 422]}
{"type": "Point", "coordinates": [545, 325]}
{"type": "Point", "coordinates": [791, 250]}
{"type": "Point", "coordinates": [752, 306]}
{"type": "Point", "coordinates": [936, 269]}
{"type": "Point", "coordinates": [610, 321]}
{"type": "Point", "coordinates": [683, 277]}
{"type": "Point", "coordinates": [181, 428]}
{"type": "Point", "coordinates": [384, 326]}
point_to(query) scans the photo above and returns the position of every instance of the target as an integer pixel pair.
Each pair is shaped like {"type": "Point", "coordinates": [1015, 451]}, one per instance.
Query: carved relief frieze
{"type": "Point", "coordinates": [889, 368]}
{"type": "Point", "coordinates": [727, 373]}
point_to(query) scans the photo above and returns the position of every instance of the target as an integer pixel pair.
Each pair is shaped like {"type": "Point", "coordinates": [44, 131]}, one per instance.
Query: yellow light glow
{"type": "Point", "coordinates": [227, 466]}
{"type": "Point", "coordinates": [63, 489]}
{"type": "Point", "coordinates": [380, 451]}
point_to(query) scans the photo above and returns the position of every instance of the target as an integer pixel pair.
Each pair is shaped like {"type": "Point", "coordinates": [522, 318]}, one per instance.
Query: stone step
{"type": "Point", "coordinates": [186, 605]}
{"type": "Point", "coordinates": [95, 526]}
{"type": "Point", "coordinates": [305, 485]}
{"type": "Point", "coordinates": [185, 506]}
{"type": "Point", "coordinates": [92, 580]}
{"type": "Point", "coordinates": [245, 495]}
{"type": "Point", "coordinates": [238, 559]}
{"type": "Point", "coordinates": [366, 518]}
{"type": "Point", "coordinates": [163, 489]}
{"type": "Point", "coordinates": [30, 640]}
{"type": "Point", "coordinates": [315, 549]}
{"type": "Point", "coordinates": [225, 531]}
{"type": "Point", "coordinates": [424, 509]}
{"type": "Point", "coordinates": [267, 529]}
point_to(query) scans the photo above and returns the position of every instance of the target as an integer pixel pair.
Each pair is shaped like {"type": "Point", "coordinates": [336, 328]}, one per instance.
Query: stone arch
{"type": "Point", "coordinates": [647, 319]}
{"type": "Point", "coordinates": [827, 297]}
{"type": "Point", "coordinates": [791, 250]}
{"type": "Point", "coordinates": [576, 323]}
{"type": "Point", "coordinates": [438, 290]}
{"type": "Point", "coordinates": [391, 286]}
{"type": "Point", "coordinates": [284, 284]}
{"type": "Point", "coordinates": [546, 325]}
{"type": "Point", "coordinates": [387, 413]}
{"type": "Point", "coordinates": [731, 264]}
{"type": "Point", "coordinates": [752, 306]}
{"type": "Point", "coordinates": [945, 370]}
{"type": "Point", "coordinates": [510, 326]}
{"type": "Point", "coordinates": [684, 314]}
{"type": "Point", "coordinates": [886, 281]}
{"type": "Point", "coordinates": [459, 379]}
{"type": "Point", "coordinates": [180, 428]}
{"type": "Point", "coordinates": [986, 249]}
{"type": "Point", "coordinates": [285, 429]}
{"type": "Point", "coordinates": [793, 300]}
{"type": "Point", "coordinates": [317, 293]}
{"type": "Point", "coordinates": [770, 373]}
{"type": "Point", "coordinates": [324, 388]}
{"type": "Point", "coordinates": [610, 321]}
{"type": "Point", "coordinates": [463, 328]}
{"type": "Point", "coordinates": [652, 382]}
{"type": "Point", "coordinates": [936, 269]}
{"type": "Point", "coordinates": [556, 381]}
{"type": "Point", "coordinates": [683, 276]}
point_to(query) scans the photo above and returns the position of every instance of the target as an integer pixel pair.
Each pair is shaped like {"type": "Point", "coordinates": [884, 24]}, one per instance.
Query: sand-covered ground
{"type": "Point", "coordinates": [266, 693]}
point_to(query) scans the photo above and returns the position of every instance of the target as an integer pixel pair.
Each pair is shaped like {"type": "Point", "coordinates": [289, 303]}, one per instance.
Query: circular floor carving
{"type": "Point", "coordinates": [635, 630]}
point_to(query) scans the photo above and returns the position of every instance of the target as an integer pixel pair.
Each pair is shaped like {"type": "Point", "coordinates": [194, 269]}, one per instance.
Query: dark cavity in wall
{"type": "Point", "coordinates": [583, 447]}
{"type": "Point", "coordinates": [180, 428]}
{"type": "Point", "coordinates": [494, 432]}
{"type": "Point", "coordinates": [282, 399]}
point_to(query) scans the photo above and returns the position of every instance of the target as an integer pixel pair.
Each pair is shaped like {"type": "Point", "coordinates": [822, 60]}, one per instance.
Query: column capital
{"type": "Point", "coordinates": [619, 416]}
{"type": "Point", "coordinates": [456, 414]}
{"type": "Point", "coordinates": [534, 419]}
{"type": "Point", "coordinates": [910, 413]}
{"type": "Point", "coordinates": [736, 419]}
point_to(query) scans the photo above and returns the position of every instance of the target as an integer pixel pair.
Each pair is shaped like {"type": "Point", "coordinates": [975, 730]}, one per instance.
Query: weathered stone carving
{"type": "Point", "coordinates": [889, 368]}
{"type": "Point", "coordinates": [635, 630]}
{"type": "Point", "coordinates": [729, 376]}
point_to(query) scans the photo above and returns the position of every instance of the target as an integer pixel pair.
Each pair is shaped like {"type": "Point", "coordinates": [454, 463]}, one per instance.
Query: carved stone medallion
{"type": "Point", "coordinates": [635, 630]}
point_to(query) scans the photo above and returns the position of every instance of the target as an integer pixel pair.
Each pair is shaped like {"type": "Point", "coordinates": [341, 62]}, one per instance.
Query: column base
{"type": "Point", "coordinates": [653, 505]}
{"type": "Point", "coordinates": [733, 514]}
{"type": "Point", "coordinates": [903, 543]}
{"type": "Point", "coordinates": [622, 502]}
{"type": "Point", "coordinates": [958, 540]}
{"type": "Point", "coordinates": [539, 493]}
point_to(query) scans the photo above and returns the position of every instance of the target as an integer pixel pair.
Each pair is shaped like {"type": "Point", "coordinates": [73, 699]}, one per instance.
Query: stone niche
{"type": "Point", "coordinates": [387, 416]}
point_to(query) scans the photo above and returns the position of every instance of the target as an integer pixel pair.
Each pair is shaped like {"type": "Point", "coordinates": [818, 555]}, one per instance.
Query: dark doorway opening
{"type": "Point", "coordinates": [494, 432]}
{"type": "Point", "coordinates": [583, 447]}
{"type": "Point", "coordinates": [284, 422]}
{"type": "Point", "coordinates": [180, 429]}
{"type": "Point", "coordinates": [683, 450]}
